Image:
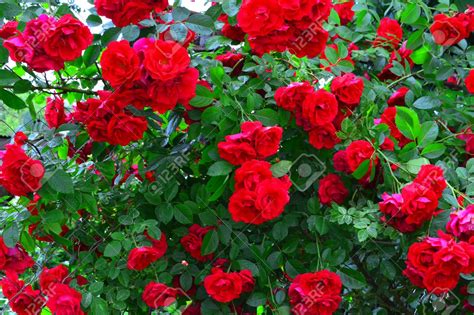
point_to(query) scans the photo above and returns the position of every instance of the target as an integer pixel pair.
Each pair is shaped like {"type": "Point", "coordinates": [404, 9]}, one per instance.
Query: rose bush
{"type": "Point", "coordinates": [261, 157]}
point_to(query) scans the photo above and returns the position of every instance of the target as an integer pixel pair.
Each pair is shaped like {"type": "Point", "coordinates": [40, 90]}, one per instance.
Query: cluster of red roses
{"type": "Point", "coordinates": [152, 73]}
{"type": "Point", "coordinates": [54, 285]}
{"type": "Point", "coordinates": [389, 36]}
{"type": "Point", "coordinates": [417, 202]}
{"type": "Point", "coordinates": [192, 242]}
{"type": "Point", "coordinates": [436, 263]}
{"type": "Point", "coordinates": [108, 120]}
{"type": "Point", "coordinates": [225, 287]}
{"type": "Point", "coordinates": [315, 293]}
{"type": "Point", "coordinates": [321, 112]}
{"type": "Point", "coordinates": [20, 174]}
{"type": "Point", "coordinates": [141, 257]}
{"type": "Point", "coordinates": [282, 25]}
{"type": "Point", "coordinates": [258, 196]}
{"type": "Point", "coordinates": [448, 31]}
{"type": "Point", "coordinates": [46, 43]}
{"type": "Point", "coordinates": [123, 13]}
{"type": "Point", "coordinates": [461, 223]}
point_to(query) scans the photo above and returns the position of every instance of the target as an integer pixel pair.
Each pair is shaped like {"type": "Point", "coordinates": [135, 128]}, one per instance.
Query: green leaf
{"type": "Point", "coordinates": [7, 77]}
{"type": "Point", "coordinates": [110, 35]}
{"type": "Point", "coordinates": [407, 122]}
{"type": "Point", "coordinates": [257, 299]}
{"type": "Point", "coordinates": [411, 13]}
{"type": "Point", "coordinates": [427, 102]}
{"type": "Point", "coordinates": [352, 279]}
{"type": "Point", "coordinates": [131, 32]}
{"type": "Point", "coordinates": [434, 150]}
{"type": "Point", "coordinates": [91, 54]}
{"type": "Point", "coordinates": [230, 7]}
{"type": "Point", "coordinates": [281, 168]}
{"type": "Point", "coordinates": [179, 32]}
{"type": "Point", "coordinates": [94, 20]}
{"type": "Point", "coordinates": [203, 97]}
{"type": "Point", "coordinates": [421, 55]}
{"type": "Point", "coordinates": [362, 170]}
{"type": "Point", "coordinates": [22, 86]}
{"type": "Point", "coordinates": [428, 133]}
{"type": "Point", "coordinates": [11, 235]}
{"type": "Point", "coordinates": [113, 249]}
{"type": "Point", "coordinates": [413, 166]}
{"type": "Point", "coordinates": [180, 14]}
{"type": "Point", "coordinates": [200, 23]}
{"type": "Point", "coordinates": [210, 243]}
{"type": "Point", "coordinates": [11, 100]}
{"type": "Point", "coordinates": [61, 182]}
{"type": "Point", "coordinates": [99, 307]}
{"type": "Point", "coordinates": [27, 241]}
{"type": "Point", "coordinates": [220, 168]}
{"type": "Point", "coordinates": [279, 231]}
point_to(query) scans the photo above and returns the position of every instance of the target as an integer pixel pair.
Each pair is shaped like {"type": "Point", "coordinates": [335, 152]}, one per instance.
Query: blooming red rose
{"type": "Point", "coordinates": [20, 174]}
{"type": "Point", "coordinates": [340, 162]}
{"type": "Point", "coordinates": [358, 152]}
{"type": "Point", "coordinates": [267, 141]}
{"type": "Point", "coordinates": [323, 137]}
{"type": "Point", "coordinates": [166, 95]}
{"type": "Point", "coordinates": [389, 33]}
{"type": "Point", "coordinates": [223, 287]}
{"type": "Point", "coordinates": [432, 177]}
{"type": "Point", "coordinates": [192, 242]}
{"type": "Point", "coordinates": [448, 31]}
{"type": "Point", "coordinates": [319, 108]}
{"type": "Point", "coordinates": [314, 45]}
{"type": "Point", "coordinates": [437, 281]}
{"type": "Point", "coordinates": [233, 32]}
{"type": "Point", "coordinates": [260, 17]}
{"type": "Point", "coordinates": [120, 64]}
{"type": "Point", "coordinates": [315, 293]}
{"type": "Point", "coordinates": [23, 300]}
{"type": "Point", "coordinates": [9, 29]}
{"type": "Point", "coordinates": [398, 97]}
{"type": "Point", "coordinates": [123, 13]}
{"type": "Point", "coordinates": [331, 188]}
{"type": "Point", "coordinates": [393, 215]}
{"type": "Point", "coordinates": [68, 39]}
{"type": "Point", "coordinates": [251, 174]}
{"type": "Point", "coordinates": [236, 153]}
{"type": "Point", "coordinates": [65, 300]}
{"type": "Point", "coordinates": [419, 203]}
{"type": "Point", "coordinates": [50, 277]}
{"type": "Point", "coordinates": [20, 138]}
{"type": "Point", "coordinates": [123, 129]}
{"type": "Point", "coordinates": [344, 10]}
{"type": "Point", "coordinates": [296, 9]}
{"type": "Point", "coordinates": [470, 81]}
{"type": "Point", "coordinates": [348, 89]}
{"type": "Point", "coordinates": [272, 197]}
{"type": "Point", "coordinates": [232, 60]}
{"type": "Point", "coordinates": [141, 257]}
{"type": "Point", "coordinates": [292, 96]}
{"type": "Point", "coordinates": [54, 113]}
{"type": "Point", "coordinates": [165, 60]}
{"type": "Point", "coordinates": [248, 282]}
{"type": "Point", "coordinates": [158, 295]}
{"type": "Point", "coordinates": [460, 223]}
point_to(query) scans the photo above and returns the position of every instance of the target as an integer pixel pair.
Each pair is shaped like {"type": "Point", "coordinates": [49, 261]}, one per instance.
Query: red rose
{"type": "Point", "coordinates": [20, 138]}
{"type": "Point", "coordinates": [165, 60]}
{"type": "Point", "coordinates": [68, 39]}
{"type": "Point", "coordinates": [232, 60]}
{"type": "Point", "coordinates": [141, 257]}
{"type": "Point", "coordinates": [437, 281]}
{"type": "Point", "coordinates": [402, 56]}
{"type": "Point", "coordinates": [344, 10]}
{"type": "Point", "coordinates": [236, 153]}
{"type": "Point", "coordinates": [120, 64]}
{"type": "Point", "coordinates": [50, 277]}
{"type": "Point", "coordinates": [123, 129]}
{"type": "Point", "coordinates": [448, 31]}
{"type": "Point", "coordinates": [251, 174]}
{"type": "Point", "coordinates": [393, 215]}
{"type": "Point", "coordinates": [54, 113]}
{"type": "Point", "coordinates": [65, 300]}
{"type": "Point", "coordinates": [313, 46]}
{"type": "Point", "coordinates": [296, 9]}
{"type": "Point", "coordinates": [20, 174]}
{"type": "Point", "coordinates": [389, 33]}
{"type": "Point", "coordinates": [9, 29]}
{"type": "Point", "coordinates": [323, 137]}
{"type": "Point", "coordinates": [319, 108]}
{"type": "Point", "coordinates": [292, 96]}
{"type": "Point", "coordinates": [223, 287]}
{"type": "Point", "coordinates": [315, 293]}
{"type": "Point", "coordinates": [272, 197]}
{"type": "Point", "coordinates": [470, 81]}
{"type": "Point", "coordinates": [160, 245]}
{"type": "Point", "coordinates": [260, 17]}
{"type": "Point", "coordinates": [331, 188]}
{"type": "Point", "coordinates": [359, 151]}
{"type": "Point", "coordinates": [123, 13]}
{"type": "Point", "coordinates": [248, 282]}
{"type": "Point", "coordinates": [267, 141]}
{"type": "Point", "coordinates": [432, 177]}
{"type": "Point", "coordinates": [348, 89]}
{"type": "Point", "coordinates": [398, 97]}
{"type": "Point", "coordinates": [233, 32]}
{"type": "Point", "coordinates": [23, 299]}
{"type": "Point", "coordinates": [340, 162]}
{"type": "Point", "coordinates": [419, 203]}
{"type": "Point", "coordinates": [166, 95]}
{"type": "Point", "coordinates": [421, 256]}
{"type": "Point", "coordinates": [192, 242]}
